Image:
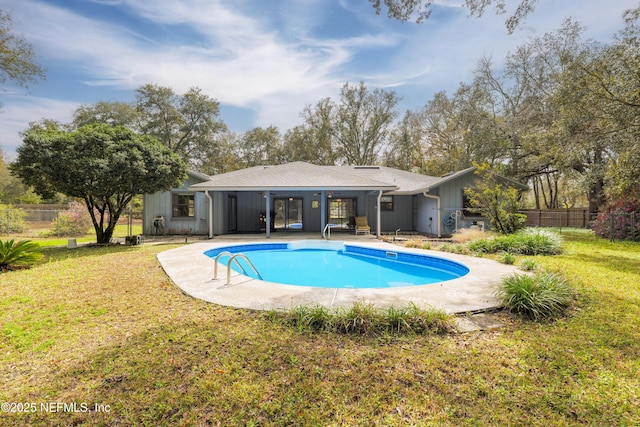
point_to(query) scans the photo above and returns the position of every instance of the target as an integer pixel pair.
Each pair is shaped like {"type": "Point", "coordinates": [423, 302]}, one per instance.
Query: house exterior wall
{"type": "Point", "coordinates": [427, 214]}
{"type": "Point", "coordinates": [401, 217]}
{"type": "Point", "coordinates": [451, 194]}
{"type": "Point", "coordinates": [160, 204]}
{"type": "Point", "coordinates": [409, 213]}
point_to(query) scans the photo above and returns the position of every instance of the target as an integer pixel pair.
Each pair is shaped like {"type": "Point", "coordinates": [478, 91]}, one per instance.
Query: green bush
{"type": "Point", "coordinates": [18, 254]}
{"type": "Point", "coordinates": [12, 220]}
{"type": "Point", "coordinates": [530, 241]}
{"type": "Point", "coordinates": [73, 222]}
{"type": "Point", "coordinates": [539, 296]}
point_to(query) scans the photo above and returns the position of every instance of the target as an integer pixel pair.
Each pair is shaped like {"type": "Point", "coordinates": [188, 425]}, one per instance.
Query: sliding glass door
{"type": "Point", "coordinates": [341, 212]}
{"type": "Point", "coordinates": [288, 214]}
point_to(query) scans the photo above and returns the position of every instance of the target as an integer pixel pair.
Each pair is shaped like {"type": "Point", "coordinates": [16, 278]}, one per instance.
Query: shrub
{"type": "Point", "coordinates": [497, 201]}
{"type": "Point", "coordinates": [18, 254]}
{"type": "Point", "coordinates": [73, 222]}
{"type": "Point", "coordinates": [619, 220]}
{"type": "Point", "coordinates": [530, 241]}
{"type": "Point", "coordinates": [12, 220]}
{"type": "Point", "coordinates": [539, 296]}
{"type": "Point", "coordinates": [538, 241]}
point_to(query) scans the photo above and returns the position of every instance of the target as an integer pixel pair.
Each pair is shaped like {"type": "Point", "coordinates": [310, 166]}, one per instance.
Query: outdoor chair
{"type": "Point", "coordinates": [362, 226]}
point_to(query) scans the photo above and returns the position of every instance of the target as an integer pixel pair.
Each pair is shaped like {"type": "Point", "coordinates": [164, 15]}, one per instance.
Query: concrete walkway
{"type": "Point", "coordinates": [192, 271]}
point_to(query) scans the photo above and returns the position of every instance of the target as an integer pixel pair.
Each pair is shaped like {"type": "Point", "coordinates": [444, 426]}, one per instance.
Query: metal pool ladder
{"type": "Point", "coordinates": [231, 259]}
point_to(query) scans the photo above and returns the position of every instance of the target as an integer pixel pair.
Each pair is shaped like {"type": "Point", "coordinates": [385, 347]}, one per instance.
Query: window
{"type": "Point", "coordinates": [467, 210]}
{"type": "Point", "coordinates": [386, 203]}
{"type": "Point", "coordinates": [183, 205]}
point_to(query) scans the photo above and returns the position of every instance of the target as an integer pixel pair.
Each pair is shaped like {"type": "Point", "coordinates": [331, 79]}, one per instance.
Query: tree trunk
{"type": "Point", "coordinates": [596, 196]}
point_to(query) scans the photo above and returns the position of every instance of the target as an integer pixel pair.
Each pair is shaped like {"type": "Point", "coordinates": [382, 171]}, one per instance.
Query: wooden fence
{"type": "Point", "coordinates": [574, 217]}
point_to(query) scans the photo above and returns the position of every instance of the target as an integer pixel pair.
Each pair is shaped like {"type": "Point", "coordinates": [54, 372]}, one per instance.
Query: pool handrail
{"type": "Point", "coordinates": [327, 228]}
{"type": "Point", "coordinates": [215, 263]}
{"type": "Point", "coordinates": [233, 258]}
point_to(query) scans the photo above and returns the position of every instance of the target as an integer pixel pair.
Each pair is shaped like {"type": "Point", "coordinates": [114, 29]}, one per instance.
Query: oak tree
{"type": "Point", "coordinates": [102, 165]}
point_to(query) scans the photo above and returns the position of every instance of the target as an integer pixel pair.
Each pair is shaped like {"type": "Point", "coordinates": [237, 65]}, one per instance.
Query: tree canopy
{"type": "Point", "coordinates": [559, 113]}
{"type": "Point", "coordinates": [419, 10]}
{"type": "Point", "coordinates": [358, 125]}
{"type": "Point", "coordinates": [104, 166]}
{"type": "Point", "coordinates": [17, 58]}
{"type": "Point", "coordinates": [188, 124]}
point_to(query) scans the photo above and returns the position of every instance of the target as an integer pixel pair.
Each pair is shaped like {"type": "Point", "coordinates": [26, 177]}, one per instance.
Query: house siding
{"type": "Point", "coordinates": [451, 201]}
{"type": "Point", "coordinates": [401, 217]}
{"type": "Point", "coordinates": [427, 215]}
{"type": "Point", "coordinates": [160, 204]}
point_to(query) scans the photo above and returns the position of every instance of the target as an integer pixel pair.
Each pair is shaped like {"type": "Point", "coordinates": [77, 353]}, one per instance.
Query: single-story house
{"type": "Point", "coordinates": [311, 198]}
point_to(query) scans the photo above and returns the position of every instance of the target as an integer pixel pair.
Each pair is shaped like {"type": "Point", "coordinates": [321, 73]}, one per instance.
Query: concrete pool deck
{"type": "Point", "coordinates": [192, 271]}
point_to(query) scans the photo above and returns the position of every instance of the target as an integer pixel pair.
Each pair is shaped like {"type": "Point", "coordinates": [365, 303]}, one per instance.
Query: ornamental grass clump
{"type": "Point", "coordinates": [530, 241]}
{"type": "Point", "coordinates": [363, 318]}
{"type": "Point", "coordinates": [507, 258]}
{"type": "Point", "coordinates": [538, 241]}
{"type": "Point", "coordinates": [537, 297]}
{"type": "Point", "coordinates": [528, 264]}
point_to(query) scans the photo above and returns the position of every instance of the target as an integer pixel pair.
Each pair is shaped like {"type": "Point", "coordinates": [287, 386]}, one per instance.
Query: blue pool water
{"type": "Point", "coordinates": [343, 266]}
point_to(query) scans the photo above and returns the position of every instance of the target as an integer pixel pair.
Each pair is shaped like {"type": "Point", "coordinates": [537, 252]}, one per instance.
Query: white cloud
{"type": "Point", "coordinates": [20, 110]}
{"type": "Point", "coordinates": [268, 58]}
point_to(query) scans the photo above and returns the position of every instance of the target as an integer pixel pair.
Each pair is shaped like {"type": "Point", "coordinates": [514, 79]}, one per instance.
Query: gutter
{"type": "Point", "coordinates": [439, 211]}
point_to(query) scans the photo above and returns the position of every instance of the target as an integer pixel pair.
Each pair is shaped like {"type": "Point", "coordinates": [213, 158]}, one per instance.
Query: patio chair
{"type": "Point", "coordinates": [362, 226]}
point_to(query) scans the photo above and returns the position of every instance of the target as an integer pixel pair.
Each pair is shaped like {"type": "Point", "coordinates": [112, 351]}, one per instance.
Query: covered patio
{"type": "Point", "coordinates": [293, 197]}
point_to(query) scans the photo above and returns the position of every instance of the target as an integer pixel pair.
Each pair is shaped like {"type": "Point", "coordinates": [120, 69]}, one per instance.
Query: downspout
{"type": "Point", "coordinates": [323, 210]}
{"type": "Point", "coordinates": [206, 193]}
{"type": "Point", "coordinates": [268, 214]}
{"type": "Point", "coordinates": [437, 198]}
{"type": "Point", "coordinates": [378, 222]}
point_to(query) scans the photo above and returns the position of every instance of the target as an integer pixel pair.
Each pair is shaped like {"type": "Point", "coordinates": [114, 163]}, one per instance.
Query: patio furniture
{"type": "Point", "coordinates": [362, 225]}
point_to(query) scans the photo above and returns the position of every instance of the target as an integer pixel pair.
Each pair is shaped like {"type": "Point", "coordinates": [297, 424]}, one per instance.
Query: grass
{"type": "Point", "coordinates": [120, 232]}
{"type": "Point", "coordinates": [104, 326]}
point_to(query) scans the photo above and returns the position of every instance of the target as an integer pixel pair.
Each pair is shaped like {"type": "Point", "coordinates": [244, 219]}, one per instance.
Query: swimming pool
{"type": "Point", "coordinates": [192, 271]}
{"type": "Point", "coordinates": [338, 265]}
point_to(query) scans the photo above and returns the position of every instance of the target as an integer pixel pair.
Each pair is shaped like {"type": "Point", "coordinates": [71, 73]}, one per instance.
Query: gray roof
{"type": "Point", "coordinates": [295, 176]}
{"type": "Point", "coordinates": [302, 176]}
{"type": "Point", "coordinates": [406, 182]}
{"type": "Point", "coordinates": [198, 175]}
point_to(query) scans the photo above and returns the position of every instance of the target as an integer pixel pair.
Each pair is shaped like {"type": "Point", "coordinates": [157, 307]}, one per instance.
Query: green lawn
{"type": "Point", "coordinates": [120, 232]}
{"type": "Point", "coordinates": [104, 326]}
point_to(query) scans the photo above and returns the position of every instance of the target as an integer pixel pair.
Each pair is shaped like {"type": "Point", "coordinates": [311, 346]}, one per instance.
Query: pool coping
{"type": "Point", "coordinates": [192, 271]}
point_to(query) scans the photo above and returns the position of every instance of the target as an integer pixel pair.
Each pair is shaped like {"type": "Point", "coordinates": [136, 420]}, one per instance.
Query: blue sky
{"type": "Point", "coordinates": [263, 60]}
